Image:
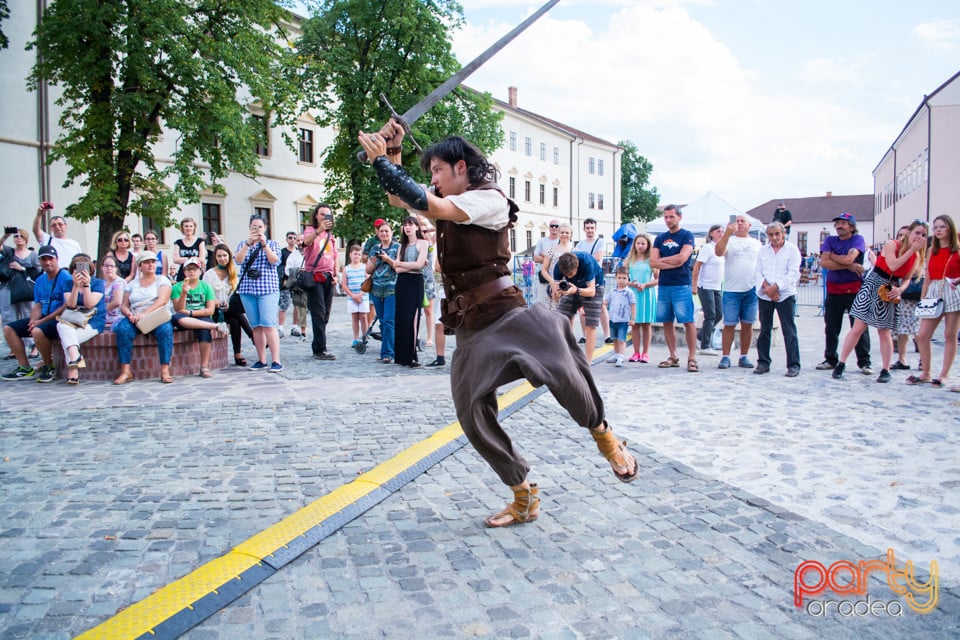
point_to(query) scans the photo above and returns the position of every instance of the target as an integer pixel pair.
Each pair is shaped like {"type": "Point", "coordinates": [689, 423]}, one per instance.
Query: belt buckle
{"type": "Point", "coordinates": [459, 304]}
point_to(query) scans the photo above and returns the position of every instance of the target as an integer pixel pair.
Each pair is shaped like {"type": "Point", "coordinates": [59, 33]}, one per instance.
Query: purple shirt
{"type": "Point", "coordinates": [838, 247]}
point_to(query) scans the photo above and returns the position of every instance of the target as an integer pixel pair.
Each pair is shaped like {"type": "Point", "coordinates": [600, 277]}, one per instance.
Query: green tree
{"type": "Point", "coordinates": [4, 14]}
{"type": "Point", "coordinates": [639, 202]}
{"type": "Point", "coordinates": [353, 51]}
{"type": "Point", "coordinates": [129, 70]}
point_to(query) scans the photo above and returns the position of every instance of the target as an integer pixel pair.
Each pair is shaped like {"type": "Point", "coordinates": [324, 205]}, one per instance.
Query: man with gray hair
{"type": "Point", "coordinates": [66, 248]}
{"type": "Point", "coordinates": [777, 275]}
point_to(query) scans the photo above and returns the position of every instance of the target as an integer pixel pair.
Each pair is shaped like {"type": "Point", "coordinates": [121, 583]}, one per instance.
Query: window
{"type": "Point", "coordinates": [556, 197]}
{"type": "Point", "coordinates": [556, 155]}
{"type": "Point", "coordinates": [600, 201]}
{"type": "Point", "coordinates": [211, 218]}
{"type": "Point", "coordinates": [265, 213]}
{"type": "Point", "coordinates": [306, 145]}
{"type": "Point", "coordinates": [513, 240]}
{"type": "Point", "coordinates": [591, 201]}
{"type": "Point", "coordinates": [529, 238]}
{"type": "Point", "coordinates": [543, 194]}
{"type": "Point", "coordinates": [526, 190]}
{"type": "Point", "coordinates": [591, 165]}
{"type": "Point", "coordinates": [599, 167]}
{"type": "Point", "coordinates": [150, 225]}
{"type": "Point", "coordinates": [513, 141]}
{"type": "Point", "coordinates": [528, 146]}
{"type": "Point", "coordinates": [802, 242]}
{"type": "Point", "coordinates": [263, 145]}
{"type": "Point", "coordinates": [513, 188]}
{"type": "Point", "coordinates": [543, 151]}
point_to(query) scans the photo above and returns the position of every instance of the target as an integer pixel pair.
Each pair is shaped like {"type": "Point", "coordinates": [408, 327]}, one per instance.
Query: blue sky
{"type": "Point", "coordinates": [752, 99]}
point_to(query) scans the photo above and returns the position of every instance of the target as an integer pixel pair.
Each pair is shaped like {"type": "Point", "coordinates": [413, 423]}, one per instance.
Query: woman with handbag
{"type": "Point", "coordinates": [84, 315]}
{"type": "Point", "coordinates": [259, 290]}
{"type": "Point", "coordinates": [908, 324]}
{"type": "Point", "coordinates": [409, 292]}
{"type": "Point", "coordinates": [18, 266]}
{"type": "Point", "coordinates": [146, 300]}
{"type": "Point", "coordinates": [223, 278]}
{"type": "Point", "coordinates": [941, 269]}
{"type": "Point", "coordinates": [877, 301]}
{"type": "Point", "coordinates": [317, 277]}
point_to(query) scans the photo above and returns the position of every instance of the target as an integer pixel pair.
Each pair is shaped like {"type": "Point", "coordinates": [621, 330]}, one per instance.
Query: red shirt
{"type": "Point", "coordinates": [328, 262]}
{"type": "Point", "coordinates": [937, 264]}
{"type": "Point", "coordinates": [904, 270]}
{"type": "Point", "coordinates": [953, 266]}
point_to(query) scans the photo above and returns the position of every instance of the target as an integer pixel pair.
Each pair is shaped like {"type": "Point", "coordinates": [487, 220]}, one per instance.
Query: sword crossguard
{"type": "Point", "coordinates": [362, 156]}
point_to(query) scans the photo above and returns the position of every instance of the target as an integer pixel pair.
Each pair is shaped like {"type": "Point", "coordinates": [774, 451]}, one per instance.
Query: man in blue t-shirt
{"type": "Point", "coordinates": [579, 279]}
{"type": "Point", "coordinates": [841, 258]}
{"type": "Point", "coordinates": [671, 255]}
{"type": "Point", "coordinates": [48, 292]}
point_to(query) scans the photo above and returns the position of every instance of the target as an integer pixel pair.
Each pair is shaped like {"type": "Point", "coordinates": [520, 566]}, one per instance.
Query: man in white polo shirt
{"type": "Point", "coordinates": [739, 288]}
{"type": "Point", "coordinates": [66, 248]}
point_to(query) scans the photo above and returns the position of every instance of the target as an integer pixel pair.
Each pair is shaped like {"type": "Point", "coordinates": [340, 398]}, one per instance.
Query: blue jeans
{"type": "Point", "coordinates": [786, 309]}
{"type": "Point", "coordinates": [387, 311]}
{"type": "Point", "coordinates": [126, 332]}
{"type": "Point", "coordinates": [739, 307]}
{"type": "Point", "coordinates": [675, 303]}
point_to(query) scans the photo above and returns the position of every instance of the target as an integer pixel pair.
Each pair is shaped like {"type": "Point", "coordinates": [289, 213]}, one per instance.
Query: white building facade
{"type": "Point", "coordinates": [918, 176]}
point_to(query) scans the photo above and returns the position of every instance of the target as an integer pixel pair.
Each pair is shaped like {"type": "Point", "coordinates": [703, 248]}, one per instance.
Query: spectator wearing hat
{"type": "Point", "coordinates": [49, 291]}
{"type": "Point", "coordinates": [146, 293]}
{"type": "Point", "coordinates": [842, 258]}
{"type": "Point", "coordinates": [782, 215]}
{"type": "Point", "coordinates": [194, 303]}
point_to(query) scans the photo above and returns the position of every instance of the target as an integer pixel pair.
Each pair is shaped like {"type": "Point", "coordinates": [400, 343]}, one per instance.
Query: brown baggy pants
{"type": "Point", "coordinates": [533, 343]}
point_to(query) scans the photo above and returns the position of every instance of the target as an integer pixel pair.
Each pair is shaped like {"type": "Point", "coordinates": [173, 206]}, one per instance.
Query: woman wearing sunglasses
{"type": "Point", "coordinates": [122, 253]}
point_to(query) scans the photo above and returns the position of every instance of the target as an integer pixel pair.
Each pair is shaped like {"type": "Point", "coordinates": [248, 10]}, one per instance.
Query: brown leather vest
{"type": "Point", "coordinates": [470, 256]}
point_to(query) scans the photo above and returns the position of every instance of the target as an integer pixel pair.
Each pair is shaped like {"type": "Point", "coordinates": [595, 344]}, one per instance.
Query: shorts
{"type": "Point", "coordinates": [49, 328]}
{"type": "Point", "coordinates": [261, 310]}
{"type": "Point", "coordinates": [592, 307]}
{"type": "Point", "coordinates": [675, 304]}
{"type": "Point", "coordinates": [358, 307]}
{"type": "Point", "coordinates": [202, 335]}
{"type": "Point", "coordinates": [618, 331]}
{"type": "Point", "coordinates": [285, 300]}
{"type": "Point", "coordinates": [739, 306]}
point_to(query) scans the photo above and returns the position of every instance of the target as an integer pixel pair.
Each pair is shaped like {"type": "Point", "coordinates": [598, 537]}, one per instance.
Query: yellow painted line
{"type": "Point", "coordinates": [181, 594]}
{"type": "Point", "coordinates": [143, 616]}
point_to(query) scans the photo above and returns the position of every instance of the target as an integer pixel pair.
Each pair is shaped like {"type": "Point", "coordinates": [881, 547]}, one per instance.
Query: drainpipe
{"type": "Point", "coordinates": [43, 122]}
{"type": "Point", "coordinates": [574, 174]}
{"type": "Point", "coordinates": [929, 153]}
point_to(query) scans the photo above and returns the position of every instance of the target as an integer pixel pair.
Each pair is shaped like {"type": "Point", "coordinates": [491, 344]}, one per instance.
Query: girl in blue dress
{"type": "Point", "coordinates": [643, 281]}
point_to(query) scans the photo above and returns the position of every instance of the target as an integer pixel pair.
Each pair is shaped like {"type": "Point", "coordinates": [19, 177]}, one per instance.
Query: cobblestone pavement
{"type": "Point", "coordinates": [109, 493]}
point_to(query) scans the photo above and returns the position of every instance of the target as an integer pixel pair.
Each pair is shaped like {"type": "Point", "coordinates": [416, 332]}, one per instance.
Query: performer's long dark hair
{"type": "Point", "coordinates": [456, 148]}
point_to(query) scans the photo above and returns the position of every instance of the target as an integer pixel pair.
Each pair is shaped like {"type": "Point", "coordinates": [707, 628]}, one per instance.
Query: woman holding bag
{"type": "Point", "coordinates": [87, 293]}
{"type": "Point", "coordinates": [943, 253]}
{"type": "Point", "coordinates": [146, 293]}
{"type": "Point", "coordinates": [18, 263]}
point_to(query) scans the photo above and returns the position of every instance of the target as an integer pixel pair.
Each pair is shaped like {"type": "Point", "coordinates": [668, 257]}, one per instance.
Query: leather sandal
{"type": "Point", "coordinates": [692, 366]}
{"type": "Point", "coordinates": [124, 379]}
{"type": "Point", "coordinates": [672, 361]}
{"type": "Point", "coordinates": [525, 508]}
{"type": "Point", "coordinates": [615, 451]}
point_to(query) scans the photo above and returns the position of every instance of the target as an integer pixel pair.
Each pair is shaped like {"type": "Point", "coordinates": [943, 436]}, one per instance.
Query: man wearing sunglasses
{"type": "Point", "coordinates": [544, 245]}
{"type": "Point", "coordinates": [57, 238]}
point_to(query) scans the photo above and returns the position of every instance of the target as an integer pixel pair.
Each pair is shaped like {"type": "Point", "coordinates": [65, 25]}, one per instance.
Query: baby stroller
{"type": "Point", "coordinates": [361, 345]}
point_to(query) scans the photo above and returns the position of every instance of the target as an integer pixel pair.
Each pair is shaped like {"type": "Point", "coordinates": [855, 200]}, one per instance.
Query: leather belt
{"type": "Point", "coordinates": [461, 302]}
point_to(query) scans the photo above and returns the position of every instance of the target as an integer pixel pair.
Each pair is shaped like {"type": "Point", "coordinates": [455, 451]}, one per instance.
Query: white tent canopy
{"type": "Point", "coordinates": [701, 214]}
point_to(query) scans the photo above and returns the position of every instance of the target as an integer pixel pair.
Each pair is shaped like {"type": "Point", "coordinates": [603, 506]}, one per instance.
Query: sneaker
{"type": "Point", "coordinates": [867, 370]}
{"type": "Point", "coordinates": [20, 373]}
{"type": "Point", "coordinates": [745, 363]}
{"type": "Point", "coordinates": [280, 331]}
{"type": "Point", "coordinates": [275, 367]}
{"type": "Point", "coordinates": [635, 357]}
{"type": "Point", "coordinates": [324, 356]}
{"type": "Point", "coordinates": [258, 366]}
{"type": "Point", "coordinates": [884, 376]}
{"type": "Point", "coordinates": [708, 352]}
{"type": "Point", "coordinates": [838, 370]}
{"type": "Point", "coordinates": [47, 373]}
{"type": "Point", "coordinates": [438, 362]}
{"type": "Point", "coordinates": [613, 359]}
{"type": "Point", "coordinates": [792, 372]}
{"type": "Point", "coordinates": [619, 362]}
{"type": "Point", "coordinates": [582, 341]}
{"type": "Point", "coordinates": [826, 365]}
{"type": "Point", "coordinates": [644, 357]}
{"type": "Point", "coordinates": [724, 362]}
{"type": "Point", "coordinates": [295, 331]}
{"type": "Point", "coordinates": [353, 345]}
{"type": "Point", "coordinates": [608, 341]}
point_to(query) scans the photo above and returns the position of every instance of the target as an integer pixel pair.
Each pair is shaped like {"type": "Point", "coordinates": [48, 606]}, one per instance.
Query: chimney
{"type": "Point", "coordinates": [512, 93]}
{"type": "Point", "coordinates": [829, 194]}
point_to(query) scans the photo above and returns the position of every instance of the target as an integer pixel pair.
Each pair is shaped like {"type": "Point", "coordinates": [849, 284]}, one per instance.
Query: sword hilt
{"type": "Point", "coordinates": [362, 156]}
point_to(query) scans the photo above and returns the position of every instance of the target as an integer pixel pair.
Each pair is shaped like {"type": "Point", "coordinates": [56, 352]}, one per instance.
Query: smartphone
{"type": "Point", "coordinates": [83, 267]}
{"type": "Point", "coordinates": [10, 231]}
{"type": "Point", "coordinates": [733, 218]}
{"type": "Point", "coordinates": [46, 205]}
{"type": "Point", "coordinates": [328, 217]}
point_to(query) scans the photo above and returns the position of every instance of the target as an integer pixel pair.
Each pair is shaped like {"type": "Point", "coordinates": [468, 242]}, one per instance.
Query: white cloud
{"type": "Point", "coordinates": [939, 35]}
{"type": "Point", "coordinates": [846, 71]}
{"type": "Point", "coordinates": [664, 81]}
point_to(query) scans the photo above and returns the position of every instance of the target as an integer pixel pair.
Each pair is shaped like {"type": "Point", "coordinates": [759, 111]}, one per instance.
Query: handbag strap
{"type": "Point", "coordinates": [320, 254]}
{"type": "Point", "coordinates": [248, 264]}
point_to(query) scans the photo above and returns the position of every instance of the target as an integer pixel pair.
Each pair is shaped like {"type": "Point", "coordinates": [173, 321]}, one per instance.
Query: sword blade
{"type": "Point", "coordinates": [413, 114]}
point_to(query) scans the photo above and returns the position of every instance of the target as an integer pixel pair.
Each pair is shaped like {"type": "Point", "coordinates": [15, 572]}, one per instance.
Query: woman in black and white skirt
{"type": "Point", "coordinates": [897, 263]}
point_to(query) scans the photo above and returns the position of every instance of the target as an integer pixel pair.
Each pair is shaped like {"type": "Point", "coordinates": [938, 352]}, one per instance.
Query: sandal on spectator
{"type": "Point", "coordinates": [239, 360]}
{"type": "Point", "coordinates": [915, 380]}
{"type": "Point", "coordinates": [672, 361]}
{"type": "Point", "coordinates": [206, 373]}
{"type": "Point", "coordinates": [124, 379]}
{"type": "Point", "coordinates": [936, 383]}
{"type": "Point", "coordinates": [525, 508]}
{"type": "Point", "coordinates": [615, 451]}
{"type": "Point", "coordinates": [79, 363]}
{"type": "Point", "coordinates": [692, 366]}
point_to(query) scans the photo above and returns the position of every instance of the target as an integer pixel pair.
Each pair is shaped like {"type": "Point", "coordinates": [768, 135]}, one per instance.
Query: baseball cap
{"type": "Point", "coordinates": [47, 250]}
{"type": "Point", "coordinates": [378, 222]}
{"type": "Point", "coordinates": [146, 255]}
{"type": "Point", "coordinates": [192, 261]}
{"type": "Point", "coordinates": [846, 216]}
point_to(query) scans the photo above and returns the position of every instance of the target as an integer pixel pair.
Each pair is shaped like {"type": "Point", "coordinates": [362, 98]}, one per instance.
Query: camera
{"type": "Point", "coordinates": [378, 252]}
{"type": "Point", "coordinates": [46, 205]}
{"type": "Point", "coordinates": [253, 273]}
{"type": "Point", "coordinates": [563, 285]}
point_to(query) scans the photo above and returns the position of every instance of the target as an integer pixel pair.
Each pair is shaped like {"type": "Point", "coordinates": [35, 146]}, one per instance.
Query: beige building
{"type": "Point", "coordinates": [918, 176]}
